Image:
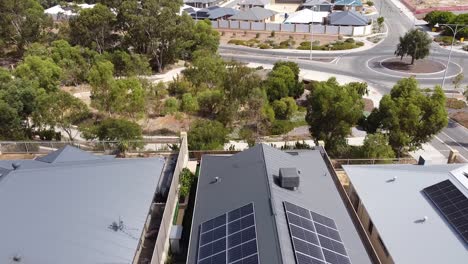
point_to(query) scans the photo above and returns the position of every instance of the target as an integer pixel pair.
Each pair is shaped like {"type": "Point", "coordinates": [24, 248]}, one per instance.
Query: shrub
{"type": "Point", "coordinates": [455, 103]}
{"type": "Point", "coordinates": [237, 42]}
{"type": "Point", "coordinates": [370, 3]}
{"type": "Point", "coordinates": [171, 105]}
{"type": "Point", "coordinates": [257, 35]}
{"type": "Point", "coordinates": [279, 127]}
{"type": "Point", "coordinates": [444, 40]}
{"type": "Point", "coordinates": [264, 46]}
{"type": "Point", "coordinates": [349, 40]}
{"type": "Point", "coordinates": [272, 34]}
{"type": "Point", "coordinates": [359, 43]}
{"type": "Point", "coordinates": [187, 178]}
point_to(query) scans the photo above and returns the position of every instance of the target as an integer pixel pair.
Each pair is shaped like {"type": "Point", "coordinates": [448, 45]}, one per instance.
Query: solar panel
{"type": "Point", "coordinates": [452, 204]}
{"type": "Point", "coordinates": [229, 238]}
{"type": "Point", "coordinates": [315, 237]}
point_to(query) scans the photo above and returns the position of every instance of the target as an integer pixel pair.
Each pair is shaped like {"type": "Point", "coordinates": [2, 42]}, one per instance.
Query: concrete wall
{"type": "Point", "coordinates": [162, 241]}
{"type": "Point", "coordinates": [372, 233]}
{"type": "Point", "coordinates": [298, 28]}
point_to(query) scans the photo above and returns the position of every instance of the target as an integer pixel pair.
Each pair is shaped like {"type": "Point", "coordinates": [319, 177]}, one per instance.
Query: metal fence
{"type": "Point", "coordinates": [43, 147]}
{"type": "Point", "coordinates": [162, 241]}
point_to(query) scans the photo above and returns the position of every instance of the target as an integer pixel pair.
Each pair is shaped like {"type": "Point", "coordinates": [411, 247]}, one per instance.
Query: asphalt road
{"type": "Point", "coordinates": [359, 65]}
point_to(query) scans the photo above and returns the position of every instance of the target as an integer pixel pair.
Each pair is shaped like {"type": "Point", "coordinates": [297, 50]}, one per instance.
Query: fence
{"type": "Point", "coordinates": [153, 144]}
{"type": "Point", "coordinates": [293, 28]}
{"type": "Point", "coordinates": [162, 241]}
{"type": "Point", "coordinates": [338, 163]}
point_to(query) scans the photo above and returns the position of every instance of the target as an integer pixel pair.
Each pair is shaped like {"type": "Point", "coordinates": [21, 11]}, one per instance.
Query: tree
{"type": "Point", "coordinates": [461, 19]}
{"type": "Point", "coordinates": [126, 64]}
{"type": "Point", "coordinates": [360, 87]}
{"type": "Point", "coordinates": [380, 21]}
{"type": "Point", "coordinates": [284, 108]}
{"type": "Point", "coordinates": [43, 73]}
{"type": "Point", "coordinates": [376, 147]}
{"type": "Point", "coordinates": [207, 135]}
{"type": "Point", "coordinates": [11, 128]}
{"type": "Point", "coordinates": [276, 88]}
{"type": "Point", "coordinates": [127, 134]}
{"type": "Point", "coordinates": [60, 109]}
{"type": "Point", "coordinates": [152, 28]}
{"type": "Point", "coordinates": [71, 60]}
{"type": "Point", "coordinates": [204, 37]}
{"type": "Point", "coordinates": [209, 102]}
{"type": "Point", "coordinates": [331, 112]}
{"type": "Point", "coordinates": [441, 17]}
{"type": "Point", "coordinates": [410, 117]}
{"type": "Point", "coordinates": [127, 97]}
{"type": "Point", "coordinates": [93, 28]}
{"type": "Point", "coordinates": [415, 43]}
{"type": "Point", "coordinates": [21, 22]}
{"type": "Point", "coordinates": [294, 90]}
{"type": "Point", "coordinates": [101, 79]}
{"type": "Point", "coordinates": [171, 106]}
{"type": "Point", "coordinates": [208, 69]}
{"type": "Point", "coordinates": [189, 103]}
{"type": "Point", "coordinates": [457, 80]}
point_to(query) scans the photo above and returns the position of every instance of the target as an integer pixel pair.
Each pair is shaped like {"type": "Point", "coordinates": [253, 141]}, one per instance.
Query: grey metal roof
{"type": "Point", "coordinates": [61, 212]}
{"type": "Point", "coordinates": [253, 14]}
{"type": "Point", "coordinates": [316, 2]}
{"type": "Point", "coordinates": [252, 2]}
{"type": "Point", "coordinates": [395, 206]}
{"type": "Point", "coordinates": [202, 1]}
{"type": "Point", "coordinates": [347, 18]}
{"type": "Point", "coordinates": [250, 176]}
{"type": "Point", "coordinates": [214, 12]}
{"type": "Point", "coordinates": [67, 153]}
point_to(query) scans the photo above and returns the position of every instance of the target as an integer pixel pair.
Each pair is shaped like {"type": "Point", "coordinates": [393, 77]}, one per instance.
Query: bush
{"type": "Point", "coordinates": [359, 43]}
{"type": "Point", "coordinates": [444, 40]}
{"type": "Point", "coordinates": [273, 33]}
{"type": "Point", "coordinates": [189, 103]}
{"type": "Point", "coordinates": [264, 46]}
{"type": "Point", "coordinates": [186, 179]}
{"type": "Point", "coordinates": [349, 40]}
{"type": "Point", "coordinates": [370, 3]}
{"type": "Point", "coordinates": [279, 127]}
{"type": "Point", "coordinates": [455, 103]}
{"type": "Point", "coordinates": [237, 42]}
{"type": "Point", "coordinates": [171, 105]}
{"type": "Point", "coordinates": [257, 35]}
{"type": "Point", "coordinates": [207, 135]}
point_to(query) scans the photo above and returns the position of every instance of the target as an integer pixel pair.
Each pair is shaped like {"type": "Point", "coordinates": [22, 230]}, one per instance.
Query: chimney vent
{"type": "Point", "coordinates": [289, 178]}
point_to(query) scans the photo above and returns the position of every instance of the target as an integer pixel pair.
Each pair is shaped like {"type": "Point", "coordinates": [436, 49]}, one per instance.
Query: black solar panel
{"type": "Point", "coordinates": [315, 237]}
{"type": "Point", "coordinates": [452, 204]}
{"type": "Point", "coordinates": [229, 238]}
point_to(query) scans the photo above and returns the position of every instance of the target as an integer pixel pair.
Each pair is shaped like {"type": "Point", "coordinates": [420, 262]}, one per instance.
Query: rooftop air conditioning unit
{"type": "Point", "coordinates": [289, 178]}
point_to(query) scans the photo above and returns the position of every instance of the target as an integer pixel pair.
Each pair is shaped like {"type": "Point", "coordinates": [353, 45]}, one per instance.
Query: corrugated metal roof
{"type": "Point", "coordinates": [347, 18]}
{"type": "Point", "coordinates": [61, 212]}
{"type": "Point", "coordinates": [251, 176]}
{"type": "Point", "coordinates": [396, 205]}
{"type": "Point", "coordinates": [254, 14]}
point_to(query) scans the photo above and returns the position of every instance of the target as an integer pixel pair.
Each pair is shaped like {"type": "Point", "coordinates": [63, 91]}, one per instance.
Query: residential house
{"type": "Point", "coordinates": [214, 13]}
{"type": "Point", "coordinates": [344, 5]}
{"type": "Point", "coordinates": [246, 4]}
{"type": "Point", "coordinates": [306, 16]}
{"type": "Point", "coordinates": [59, 12]}
{"type": "Point", "coordinates": [264, 205]}
{"type": "Point", "coordinates": [202, 3]}
{"type": "Point", "coordinates": [413, 213]}
{"type": "Point", "coordinates": [255, 14]}
{"type": "Point", "coordinates": [347, 18]}
{"type": "Point", "coordinates": [317, 5]}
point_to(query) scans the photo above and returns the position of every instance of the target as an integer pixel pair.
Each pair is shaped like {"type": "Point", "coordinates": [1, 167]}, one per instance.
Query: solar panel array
{"type": "Point", "coordinates": [315, 237]}
{"type": "Point", "coordinates": [229, 238]}
{"type": "Point", "coordinates": [452, 204]}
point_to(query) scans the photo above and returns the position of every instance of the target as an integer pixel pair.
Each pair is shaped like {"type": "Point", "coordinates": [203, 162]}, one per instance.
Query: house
{"type": "Point", "coordinates": [317, 5]}
{"type": "Point", "coordinates": [72, 206]}
{"type": "Point", "coordinates": [305, 16]}
{"type": "Point", "coordinates": [264, 205]}
{"type": "Point", "coordinates": [255, 14]}
{"type": "Point", "coordinates": [347, 18]}
{"type": "Point", "coordinates": [246, 4]}
{"type": "Point", "coordinates": [202, 3]}
{"type": "Point", "coordinates": [59, 12]}
{"type": "Point", "coordinates": [214, 13]}
{"type": "Point", "coordinates": [413, 213]}
{"type": "Point", "coordinates": [355, 5]}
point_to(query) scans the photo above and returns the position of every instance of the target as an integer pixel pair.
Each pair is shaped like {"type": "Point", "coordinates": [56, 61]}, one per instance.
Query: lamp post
{"type": "Point", "coordinates": [454, 31]}
{"type": "Point", "coordinates": [311, 32]}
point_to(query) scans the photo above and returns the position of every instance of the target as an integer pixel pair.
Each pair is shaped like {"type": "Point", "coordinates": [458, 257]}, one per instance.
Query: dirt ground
{"type": "Point", "coordinates": [279, 36]}
{"type": "Point", "coordinates": [437, 3]}
{"type": "Point", "coordinates": [174, 123]}
{"type": "Point", "coordinates": [419, 66]}
{"type": "Point", "coordinates": [368, 105]}
{"type": "Point", "coordinates": [460, 116]}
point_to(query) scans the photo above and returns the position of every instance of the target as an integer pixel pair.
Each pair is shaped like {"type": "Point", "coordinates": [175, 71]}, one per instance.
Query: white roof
{"type": "Point", "coordinates": [396, 206]}
{"type": "Point", "coordinates": [55, 10]}
{"type": "Point", "coordinates": [59, 211]}
{"type": "Point", "coordinates": [305, 16]}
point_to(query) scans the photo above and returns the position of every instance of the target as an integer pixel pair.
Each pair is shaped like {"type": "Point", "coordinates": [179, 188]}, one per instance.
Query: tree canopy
{"type": "Point", "coordinates": [207, 135]}
{"type": "Point", "coordinates": [332, 110]}
{"type": "Point", "coordinates": [415, 43]}
{"type": "Point", "coordinates": [410, 117]}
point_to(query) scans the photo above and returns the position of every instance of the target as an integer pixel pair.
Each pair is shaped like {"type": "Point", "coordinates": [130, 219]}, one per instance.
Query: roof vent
{"type": "Point", "coordinates": [289, 178]}
{"type": "Point", "coordinates": [216, 180]}
{"type": "Point", "coordinates": [16, 165]}
{"type": "Point", "coordinates": [16, 258]}
{"type": "Point", "coordinates": [392, 179]}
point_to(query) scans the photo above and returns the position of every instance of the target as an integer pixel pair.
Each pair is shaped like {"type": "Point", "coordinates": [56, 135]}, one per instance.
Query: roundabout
{"type": "Point", "coordinates": [426, 69]}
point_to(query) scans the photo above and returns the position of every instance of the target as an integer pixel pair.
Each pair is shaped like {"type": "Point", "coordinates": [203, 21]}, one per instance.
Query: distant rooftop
{"type": "Point", "coordinates": [252, 176]}
{"type": "Point", "coordinates": [394, 199]}
{"type": "Point", "coordinates": [347, 18]}
{"type": "Point", "coordinates": [75, 207]}
{"type": "Point", "coordinates": [254, 14]}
